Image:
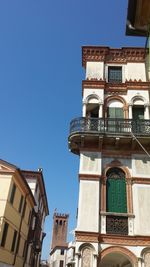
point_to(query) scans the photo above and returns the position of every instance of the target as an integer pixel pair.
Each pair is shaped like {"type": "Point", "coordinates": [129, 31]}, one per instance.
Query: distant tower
{"type": "Point", "coordinates": [59, 240]}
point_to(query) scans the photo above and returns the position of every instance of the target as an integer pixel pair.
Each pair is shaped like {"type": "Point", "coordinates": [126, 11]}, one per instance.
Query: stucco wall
{"type": "Point", "coordinates": [88, 208]}
{"type": "Point", "coordinates": [95, 70]}
{"type": "Point", "coordinates": [90, 163]}
{"type": "Point", "coordinates": [141, 209]}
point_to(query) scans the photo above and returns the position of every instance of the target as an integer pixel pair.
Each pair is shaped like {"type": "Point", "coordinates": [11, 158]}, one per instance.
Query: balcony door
{"type": "Point", "coordinates": [138, 116]}
{"type": "Point", "coordinates": [138, 113]}
{"type": "Point", "coordinates": [115, 113]}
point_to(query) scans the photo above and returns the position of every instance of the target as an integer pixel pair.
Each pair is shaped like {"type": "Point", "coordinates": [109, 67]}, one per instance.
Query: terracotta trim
{"type": "Point", "coordinates": [122, 250]}
{"type": "Point", "coordinates": [86, 236]}
{"type": "Point", "coordinates": [125, 240]}
{"type": "Point", "coordinates": [114, 88]}
{"type": "Point", "coordinates": [111, 55]}
{"type": "Point", "coordinates": [89, 177]}
{"type": "Point", "coordinates": [140, 180]}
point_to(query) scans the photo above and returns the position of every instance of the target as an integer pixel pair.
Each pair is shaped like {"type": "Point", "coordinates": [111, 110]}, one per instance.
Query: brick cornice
{"type": "Point", "coordinates": [140, 180]}
{"type": "Point", "coordinates": [86, 236]}
{"type": "Point", "coordinates": [82, 236]}
{"type": "Point", "coordinates": [111, 55]}
{"type": "Point", "coordinates": [89, 177]}
{"type": "Point", "coordinates": [120, 88]}
{"type": "Point", "coordinates": [125, 240]}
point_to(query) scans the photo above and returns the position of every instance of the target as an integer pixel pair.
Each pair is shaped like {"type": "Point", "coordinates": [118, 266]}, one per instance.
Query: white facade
{"type": "Point", "coordinates": [112, 139]}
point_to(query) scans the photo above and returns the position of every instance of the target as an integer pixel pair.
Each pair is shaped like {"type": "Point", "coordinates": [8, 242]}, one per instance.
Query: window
{"type": "Point", "coordinates": [24, 209]}
{"type": "Point", "coordinates": [21, 203]}
{"type": "Point", "coordinates": [116, 202]}
{"type": "Point", "coordinates": [114, 74]}
{"type": "Point", "coordinates": [116, 113]}
{"type": "Point", "coordinates": [116, 191]}
{"type": "Point", "coordinates": [62, 252]}
{"type": "Point", "coordinates": [4, 236]}
{"type": "Point", "coordinates": [29, 218]}
{"type": "Point", "coordinates": [12, 196]}
{"type": "Point", "coordinates": [61, 264]}
{"type": "Point", "coordinates": [14, 241]}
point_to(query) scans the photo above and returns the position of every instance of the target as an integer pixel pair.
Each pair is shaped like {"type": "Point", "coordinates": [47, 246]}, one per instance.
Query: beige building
{"type": "Point", "coordinates": [36, 235]}
{"type": "Point", "coordinates": [16, 204]}
{"type": "Point", "coordinates": [23, 207]}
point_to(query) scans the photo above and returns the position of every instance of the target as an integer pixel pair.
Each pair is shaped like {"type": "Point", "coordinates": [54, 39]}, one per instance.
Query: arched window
{"type": "Point", "coordinates": [116, 200]}
{"type": "Point", "coordinates": [115, 109]}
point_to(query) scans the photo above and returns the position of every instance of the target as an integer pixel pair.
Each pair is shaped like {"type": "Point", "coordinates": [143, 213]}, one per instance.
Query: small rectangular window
{"type": "Point", "coordinates": [29, 218]}
{"type": "Point", "coordinates": [24, 209]}
{"type": "Point", "coordinates": [14, 241]}
{"type": "Point", "coordinates": [4, 236]}
{"type": "Point", "coordinates": [12, 196]}
{"type": "Point", "coordinates": [20, 204]}
{"type": "Point", "coordinates": [62, 252]}
{"type": "Point", "coordinates": [61, 264]}
{"type": "Point", "coordinates": [114, 74]}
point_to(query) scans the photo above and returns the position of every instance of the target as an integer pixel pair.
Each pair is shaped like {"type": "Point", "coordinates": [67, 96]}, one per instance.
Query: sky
{"type": "Point", "coordinates": [40, 86]}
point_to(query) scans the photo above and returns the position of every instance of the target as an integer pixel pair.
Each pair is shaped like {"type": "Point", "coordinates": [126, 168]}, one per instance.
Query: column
{"type": "Point", "coordinates": [78, 260]}
{"type": "Point", "coordinates": [130, 111]}
{"type": "Point", "coordinates": [139, 262]}
{"type": "Point", "coordinates": [100, 114]}
{"type": "Point", "coordinates": [95, 260]}
{"type": "Point", "coordinates": [84, 109]}
{"type": "Point", "coordinates": [146, 113]}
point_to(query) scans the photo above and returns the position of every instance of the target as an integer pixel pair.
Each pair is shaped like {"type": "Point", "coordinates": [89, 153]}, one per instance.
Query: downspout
{"type": "Point", "coordinates": [18, 239]}
{"type": "Point", "coordinates": [27, 245]}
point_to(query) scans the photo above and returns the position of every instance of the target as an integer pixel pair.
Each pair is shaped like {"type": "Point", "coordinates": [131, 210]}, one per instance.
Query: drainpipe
{"type": "Point", "coordinates": [18, 239]}
{"type": "Point", "coordinates": [27, 244]}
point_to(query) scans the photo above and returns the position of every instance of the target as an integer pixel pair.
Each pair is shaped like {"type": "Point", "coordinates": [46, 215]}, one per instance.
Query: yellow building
{"type": "Point", "coordinates": [16, 205]}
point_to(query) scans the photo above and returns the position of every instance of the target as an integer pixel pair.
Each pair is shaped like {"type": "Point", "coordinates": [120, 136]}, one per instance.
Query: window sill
{"type": "Point", "coordinates": [129, 215]}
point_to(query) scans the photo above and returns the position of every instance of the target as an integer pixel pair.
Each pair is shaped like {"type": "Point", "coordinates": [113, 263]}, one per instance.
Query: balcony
{"type": "Point", "coordinates": [90, 131]}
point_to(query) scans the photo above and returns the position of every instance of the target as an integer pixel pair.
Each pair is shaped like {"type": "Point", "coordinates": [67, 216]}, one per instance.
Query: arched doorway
{"type": "Point", "coordinates": [117, 256]}
{"type": "Point", "coordinates": [115, 259]}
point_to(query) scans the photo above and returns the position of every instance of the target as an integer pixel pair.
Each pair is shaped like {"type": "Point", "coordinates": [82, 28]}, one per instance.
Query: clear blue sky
{"type": "Point", "coordinates": [40, 85]}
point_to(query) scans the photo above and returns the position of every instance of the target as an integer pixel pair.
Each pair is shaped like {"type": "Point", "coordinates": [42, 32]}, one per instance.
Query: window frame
{"type": "Point", "coordinates": [123, 66]}
{"type": "Point", "coordinates": [13, 245]}
{"type": "Point", "coordinates": [4, 235]}
{"type": "Point", "coordinates": [12, 195]}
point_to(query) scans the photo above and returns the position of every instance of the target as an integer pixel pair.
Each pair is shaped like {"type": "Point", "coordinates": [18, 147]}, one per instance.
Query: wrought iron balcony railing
{"type": "Point", "coordinates": [113, 126]}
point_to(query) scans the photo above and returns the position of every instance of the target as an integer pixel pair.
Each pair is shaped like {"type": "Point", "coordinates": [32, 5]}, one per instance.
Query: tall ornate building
{"type": "Point", "coordinates": [112, 139]}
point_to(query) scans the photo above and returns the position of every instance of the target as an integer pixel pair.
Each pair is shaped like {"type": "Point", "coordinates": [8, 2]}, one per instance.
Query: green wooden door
{"type": "Point", "coordinates": [116, 192]}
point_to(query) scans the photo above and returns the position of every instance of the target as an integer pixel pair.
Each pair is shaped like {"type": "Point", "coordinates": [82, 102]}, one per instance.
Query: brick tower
{"type": "Point", "coordinates": [59, 240]}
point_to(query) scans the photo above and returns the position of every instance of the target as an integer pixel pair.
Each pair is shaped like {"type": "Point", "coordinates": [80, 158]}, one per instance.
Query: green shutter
{"type": "Point", "coordinates": [115, 113]}
{"type": "Point", "coordinates": [116, 195]}
{"type": "Point", "coordinates": [119, 113]}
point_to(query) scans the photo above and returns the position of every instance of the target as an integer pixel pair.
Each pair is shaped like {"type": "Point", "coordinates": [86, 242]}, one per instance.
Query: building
{"type": "Point", "coordinates": [23, 207]}
{"type": "Point", "coordinates": [16, 204]}
{"type": "Point", "coordinates": [112, 139]}
{"type": "Point", "coordinates": [59, 243]}
{"type": "Point", "coordinates": [36, 234]}
{"type": "Point", "coordinates": [138, 18]}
